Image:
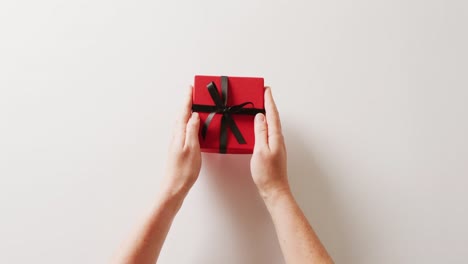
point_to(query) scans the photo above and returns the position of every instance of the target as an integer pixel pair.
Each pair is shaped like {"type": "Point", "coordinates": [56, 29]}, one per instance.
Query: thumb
{"type": "Point", "coordinates": [191, 136]}
{"type": "Point", "coordinates": [261, 132]}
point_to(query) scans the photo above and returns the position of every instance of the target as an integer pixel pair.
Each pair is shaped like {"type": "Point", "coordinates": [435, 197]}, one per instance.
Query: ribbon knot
{"type": "Point", "coordinates": [224, 110]}
{"type": "Point", "coordinates": [221, 107]}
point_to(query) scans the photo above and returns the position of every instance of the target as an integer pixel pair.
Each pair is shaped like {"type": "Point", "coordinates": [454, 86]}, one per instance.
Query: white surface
{"type": "Point", "coordinates": [373, 97]}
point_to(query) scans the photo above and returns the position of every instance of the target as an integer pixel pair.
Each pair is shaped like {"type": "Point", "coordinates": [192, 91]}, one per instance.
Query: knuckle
{"type": "Point", "coordinates": [264, 153]}
{"type": "Point", "coordinates": [191, 146]}
{"type": "Point", "coordinates": [192, 126]}
{"type": "Point", "coordinates": [277, 137]}
{"type": "Point", "coordinates": [274, 152]}
{"type": "Point", "coordinates": [277, 152]}
{"type": "Point", "coordinates": [261, 128]}
{"type": "Point", "coordinates": [185, 151]}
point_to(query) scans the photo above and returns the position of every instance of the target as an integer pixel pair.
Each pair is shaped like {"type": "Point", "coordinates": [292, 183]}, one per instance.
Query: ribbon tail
{"type": "Point", "coordinates": [206, 124]}
{"type": "Point", "coordinates": [235, 130]}
{"type": "Point", "coordinates": [223, 134]}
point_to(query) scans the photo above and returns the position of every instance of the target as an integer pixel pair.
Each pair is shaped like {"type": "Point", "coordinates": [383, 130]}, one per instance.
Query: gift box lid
{"type": "Point", "coordinates": [240, 90]}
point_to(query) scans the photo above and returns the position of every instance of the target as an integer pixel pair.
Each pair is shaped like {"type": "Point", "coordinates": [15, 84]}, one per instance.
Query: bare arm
{"type": "Point", "coordinates": [183, 167]}
{"type": "Point", "coordinates": [297, 239]}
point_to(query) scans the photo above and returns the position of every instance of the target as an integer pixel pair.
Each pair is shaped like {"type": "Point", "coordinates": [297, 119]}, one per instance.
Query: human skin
{"type": "Point", "coordinates": [298, 241]}
{"type": "Point", "coordinates": [182, 169]}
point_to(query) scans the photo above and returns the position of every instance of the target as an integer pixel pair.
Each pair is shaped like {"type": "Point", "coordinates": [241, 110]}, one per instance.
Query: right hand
{"type": "Point", "coordinates": [268, 164]}
{"type": "Point", "coordinates": [184, 159]}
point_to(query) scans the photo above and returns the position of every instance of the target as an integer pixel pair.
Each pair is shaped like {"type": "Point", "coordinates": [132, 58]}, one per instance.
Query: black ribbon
{"type": "Point", "coordinates": [221, 107]}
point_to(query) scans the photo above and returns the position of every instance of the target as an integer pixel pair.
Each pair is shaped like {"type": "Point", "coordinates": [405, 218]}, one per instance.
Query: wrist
{"type": "Point", "coordinates": [176, 183]}
{"type": "Point", "coordinates": [274, 198]}
{"type": "Point", "coordinates": [273, 192]}
{"type": "Point", "coordinates": [175, 188]}
{"type": "Point", "coordinates": [173, 196]}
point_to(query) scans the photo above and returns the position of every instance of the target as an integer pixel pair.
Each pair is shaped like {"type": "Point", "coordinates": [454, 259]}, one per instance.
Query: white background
{"type": "Point", "coordinates": [372, 94]}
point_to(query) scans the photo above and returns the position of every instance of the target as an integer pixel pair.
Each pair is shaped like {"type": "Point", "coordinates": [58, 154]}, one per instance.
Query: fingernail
{"type": "Point", "coordinates": [260, 118]}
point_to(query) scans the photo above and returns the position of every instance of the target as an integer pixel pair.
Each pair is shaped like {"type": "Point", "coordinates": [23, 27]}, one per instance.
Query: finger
{"type": "Point", "coordinates": [272, 115]}
{"type": "Point", "coordinates": [184, 115]}
{"type": "Point", "coordinates": [275, 137]}
{"type": "Point", "coordinates": [261, 132]}
{"type": "Point", "coordinates": [191, 136]}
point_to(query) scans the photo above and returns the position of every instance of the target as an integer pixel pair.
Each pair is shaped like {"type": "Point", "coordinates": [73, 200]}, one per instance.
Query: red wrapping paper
{"type": "Point", "coordinates": [240, 90]}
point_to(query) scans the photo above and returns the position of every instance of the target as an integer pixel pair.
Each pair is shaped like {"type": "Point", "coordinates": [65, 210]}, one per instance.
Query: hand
{"type": "Point", "coordinates": [183, 167]}
{"type": "Point", "coordinates": [184, 159]}
{"type": "Point", "coordinates": [268, 164]}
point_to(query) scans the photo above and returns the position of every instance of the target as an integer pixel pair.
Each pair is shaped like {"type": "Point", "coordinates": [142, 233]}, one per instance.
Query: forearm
{"type": "Point", "coordinates": [183, 167]}
{"type": "Point", "coordinates": [297, 239]}
{"type": "Point", "coordinates": [149, 239]}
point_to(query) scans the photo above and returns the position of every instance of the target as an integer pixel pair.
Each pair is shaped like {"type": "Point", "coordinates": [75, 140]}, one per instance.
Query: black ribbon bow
{"type": "Point", "coordinates": [221, 107]}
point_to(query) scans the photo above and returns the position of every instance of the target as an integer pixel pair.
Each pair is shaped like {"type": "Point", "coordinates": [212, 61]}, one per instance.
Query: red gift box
{"type": "Point", "coordinates": [223, 118]}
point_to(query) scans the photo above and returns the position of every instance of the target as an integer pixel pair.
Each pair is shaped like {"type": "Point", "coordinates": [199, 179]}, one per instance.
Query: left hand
{"type": "Point", "coordinates": [184, 159]}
